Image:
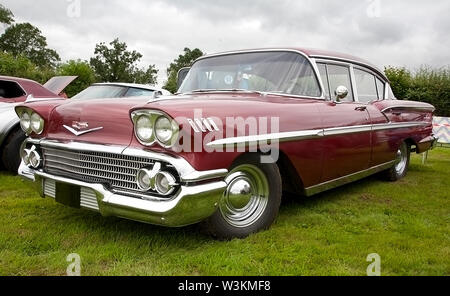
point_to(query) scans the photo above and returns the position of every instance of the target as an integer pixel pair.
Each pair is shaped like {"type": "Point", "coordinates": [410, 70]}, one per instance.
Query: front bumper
{"type": "Point", "coordinates": [195, 201]}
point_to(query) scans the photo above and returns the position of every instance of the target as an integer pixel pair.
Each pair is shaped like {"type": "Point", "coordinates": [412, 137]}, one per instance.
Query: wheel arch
{"type": "Point", "coordinates": [292, 181]}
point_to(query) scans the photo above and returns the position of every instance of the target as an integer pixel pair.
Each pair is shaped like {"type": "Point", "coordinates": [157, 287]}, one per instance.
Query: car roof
{"type": "Point", "coordinates": [16, 79]}
{"type": "Point", "coordinates": [314, 53]}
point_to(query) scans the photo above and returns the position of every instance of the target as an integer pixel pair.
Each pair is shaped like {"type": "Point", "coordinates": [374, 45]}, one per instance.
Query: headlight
{"type": "Point", "coordinates": [144, 128]}
{"type": "Point", "coordinates": [163, 130]}
{"type": "Point", "coordinates": [25, 122]}
{"type": "Point", "coordinates": [37, 123]}
{"type": "Point", "coordinates": [152, 126]}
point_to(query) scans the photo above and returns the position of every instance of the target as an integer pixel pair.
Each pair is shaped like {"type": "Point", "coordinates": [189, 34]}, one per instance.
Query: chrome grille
{"type": "Point", "coordinates": [115, 170]}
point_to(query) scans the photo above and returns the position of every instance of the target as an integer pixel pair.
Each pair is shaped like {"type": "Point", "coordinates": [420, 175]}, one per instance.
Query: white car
{"type": "Point", "coordinates": [119, 90]}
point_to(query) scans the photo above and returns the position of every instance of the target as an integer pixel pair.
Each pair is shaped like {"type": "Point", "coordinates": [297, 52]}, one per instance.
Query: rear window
{"type": "Point", "coordinates": [10, 90]}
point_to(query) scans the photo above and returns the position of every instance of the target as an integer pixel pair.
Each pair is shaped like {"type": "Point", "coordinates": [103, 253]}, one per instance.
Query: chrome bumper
{"type": "Point", "coordinates": [191, 203]}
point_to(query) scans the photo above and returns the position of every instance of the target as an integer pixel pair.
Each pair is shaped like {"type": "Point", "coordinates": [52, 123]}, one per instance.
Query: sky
{"type": "Point", "coordinates": [398, 33]}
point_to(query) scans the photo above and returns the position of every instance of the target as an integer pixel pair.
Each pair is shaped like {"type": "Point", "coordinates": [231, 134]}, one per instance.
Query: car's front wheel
{"type": "Point", "coordinates": [251, 201]}
{"type": "Point", "coordinates": [401, 165]}
{"type": "Point", "coordinates": [11, 151]}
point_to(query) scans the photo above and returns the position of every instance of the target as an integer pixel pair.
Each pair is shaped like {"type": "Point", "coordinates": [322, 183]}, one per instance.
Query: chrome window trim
{"type": "Point", "coordinates": [350, 61]}
{"type": "Point", "coordinates": [308, 58]}
{"type": "Point", "coordinates": [353, 81]}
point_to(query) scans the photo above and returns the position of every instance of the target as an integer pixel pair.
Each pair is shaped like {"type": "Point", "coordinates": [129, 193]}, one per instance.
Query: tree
{"type": "Point", "coordinates": [117, 64]}
{"type": "Point", "coordinates": [6, 16]}
{"type": "Point", "coordinates": [184, 60]}
{"type": "Point", "coordinates": [83, 70]}
{"type": "Point", "coordinates": [21, 66]}
{"type": "Point", "coordinates": [424, 85]}
{"type": "Point", "coordinates": [400, 79]}
{"type": "Point", "coordinates": [27, 40]}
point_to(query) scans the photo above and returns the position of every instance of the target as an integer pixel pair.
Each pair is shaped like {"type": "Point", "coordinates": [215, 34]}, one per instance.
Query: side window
{"type": "Point", "coordinates": [337, 76]}
{"type": "Point", "coordinates": [10, 90]}
{"type": "Point", "coordinates": [324, 78]}
{"type": "Point", "coordinates": [365, 84]}
{"type": "Point", "coordinates": [380, 89]}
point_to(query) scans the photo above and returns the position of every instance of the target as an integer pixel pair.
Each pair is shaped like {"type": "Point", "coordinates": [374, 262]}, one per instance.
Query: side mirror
{"type": "Point", "coordinates": [341, 92]}
{"type": "Point", "coordinates": [182, 75]}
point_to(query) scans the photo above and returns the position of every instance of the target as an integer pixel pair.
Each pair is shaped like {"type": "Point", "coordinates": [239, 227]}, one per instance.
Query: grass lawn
{"type": "Point", "coordinates": [407, 223]}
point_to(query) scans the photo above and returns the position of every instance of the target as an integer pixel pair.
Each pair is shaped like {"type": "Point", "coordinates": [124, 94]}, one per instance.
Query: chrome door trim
{"type": "Point", "coordinates": [410, 107]}
{"type": "Point", "coordinates": [347, 179]}
{"type": "Point", "coordinates": [253, 140]}
{"type": "Point", "coordinates": [309, 134]}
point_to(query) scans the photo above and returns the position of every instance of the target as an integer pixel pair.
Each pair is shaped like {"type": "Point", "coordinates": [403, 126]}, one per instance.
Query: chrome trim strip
{"type": "Point", "coordinates": [347, 179]}
{"type": "Point", "coordinates": [253, 140]}
{"type": "Point", "coordinates": [80, 133]}
{"type": "Point", "coordinates": [347, 130]}
{"type": "Point", "coordinates": [393, 125]}
{"type": "Point", "coordinates": [411, 107]}
{"type": "Point", "coordinates": [309, 134]}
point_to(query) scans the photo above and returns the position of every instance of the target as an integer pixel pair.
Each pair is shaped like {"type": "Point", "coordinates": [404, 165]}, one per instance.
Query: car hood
{"type": "Point", "coordinates": [225, 104]}
{"type": "Point", "coordinates": [95, 121]}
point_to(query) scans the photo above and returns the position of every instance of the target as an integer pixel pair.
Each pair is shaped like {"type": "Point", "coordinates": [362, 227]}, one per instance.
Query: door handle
{"type": "Point", "coordinates": [361, 108]}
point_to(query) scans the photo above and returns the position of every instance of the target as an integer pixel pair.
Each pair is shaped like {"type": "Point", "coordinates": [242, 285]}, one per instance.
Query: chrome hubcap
{"type": "Point", "coordinates": [246, 196]}
{"type": "Point", "coordinates": [402, 159]}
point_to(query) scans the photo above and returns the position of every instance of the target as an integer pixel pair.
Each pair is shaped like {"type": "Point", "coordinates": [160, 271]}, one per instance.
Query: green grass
{"type": "Point", "coordinates": [407, 223]}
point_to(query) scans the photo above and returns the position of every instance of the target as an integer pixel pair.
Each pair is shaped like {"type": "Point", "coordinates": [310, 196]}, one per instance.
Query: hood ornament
{"type": "Point", "coordinates": [78, 128]}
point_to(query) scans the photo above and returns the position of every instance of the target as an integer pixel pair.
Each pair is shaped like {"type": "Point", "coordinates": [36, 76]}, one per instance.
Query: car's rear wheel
{"type": "Point", "coordinates": [11, 151]}
{"type": "Point", "coordinates": [401, 165]}
{"type": "Point", "coordinates": [251, 201]}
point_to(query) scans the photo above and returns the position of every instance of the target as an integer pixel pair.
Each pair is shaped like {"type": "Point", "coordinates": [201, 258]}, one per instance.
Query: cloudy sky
{"type": "Point", "coordinates": [401, 33]}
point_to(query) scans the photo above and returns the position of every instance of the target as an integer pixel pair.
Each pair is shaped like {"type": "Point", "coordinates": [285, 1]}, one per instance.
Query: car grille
{"type": "Point", "coordinates": [114, 170]}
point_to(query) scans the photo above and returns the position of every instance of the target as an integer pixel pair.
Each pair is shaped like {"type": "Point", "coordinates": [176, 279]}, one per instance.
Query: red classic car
{"type": "Point", "coordinates": [244, 127]}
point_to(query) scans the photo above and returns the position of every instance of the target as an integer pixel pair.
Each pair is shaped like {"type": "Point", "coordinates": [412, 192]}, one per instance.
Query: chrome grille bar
{"type": "Point", "coordinates": [115, 170]}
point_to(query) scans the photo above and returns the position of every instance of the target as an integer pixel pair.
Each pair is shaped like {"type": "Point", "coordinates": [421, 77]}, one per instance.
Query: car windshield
{"type": "Point", "coordinates": [271, 72]}
{"type": "Point", "coordinates": [101, 92]}
{"type": "Point", "coordinates": [112, 91]}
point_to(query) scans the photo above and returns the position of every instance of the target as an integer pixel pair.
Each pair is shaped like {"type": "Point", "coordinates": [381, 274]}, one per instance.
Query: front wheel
{"type": "Point", "coordinates": [401, 165]}
{"type": "Point", "coordinates": [251, 201]}
{"type": "Point", "coordinates": [11, 152]}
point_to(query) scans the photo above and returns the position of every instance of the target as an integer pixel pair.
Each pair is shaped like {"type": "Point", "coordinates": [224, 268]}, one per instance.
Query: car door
{"type": "Point", "coordinates": [347, 125]}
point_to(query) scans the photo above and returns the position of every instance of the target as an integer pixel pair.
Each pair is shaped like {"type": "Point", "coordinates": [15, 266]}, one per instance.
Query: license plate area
{"type": "Point", "coordinates": [68, 195]}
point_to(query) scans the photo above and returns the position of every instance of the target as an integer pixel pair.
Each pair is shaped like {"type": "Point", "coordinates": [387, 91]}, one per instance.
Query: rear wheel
{"type": "Point", "coordinates": [251, 200]}
{"type": "Point", "coordinates": [400, 168]}
{"type": "Point", "coordinates": [11, 151]}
